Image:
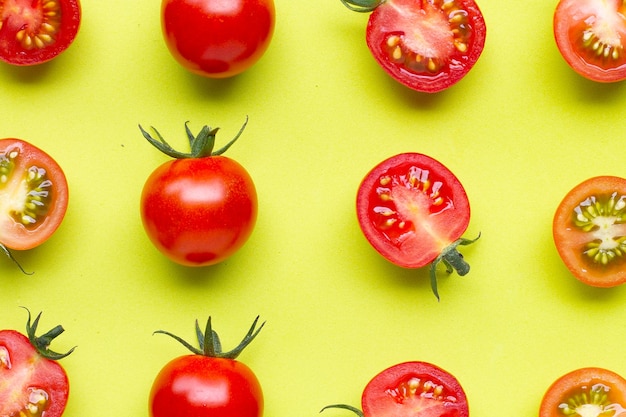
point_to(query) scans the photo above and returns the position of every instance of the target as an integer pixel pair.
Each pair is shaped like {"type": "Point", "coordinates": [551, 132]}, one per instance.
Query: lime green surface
{"type": "Point", "coordinates": [519, 131]}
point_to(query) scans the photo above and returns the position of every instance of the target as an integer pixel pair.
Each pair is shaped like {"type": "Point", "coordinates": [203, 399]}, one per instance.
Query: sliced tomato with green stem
{"type": "Point", "coordinates": [33, 196]}
{"type": "Point", "coordinates": [413, 211]}
{"type": "Point", "coordinates": [589, 231]}
{"type": "Point", "coordinates": [588, 392]}
{"type": "Point", "coordinates": [426, 45]}
{"type": "Point", "coordinates": [411, 389]}
{"type": "Point", "coordinates": [208, 383]}
{"type": "Point", "coordinates": [591, 37]}
{"type": "Point", "coordinates": [34, 32]}
{"type": "Point", "coordinates": [32, 382]}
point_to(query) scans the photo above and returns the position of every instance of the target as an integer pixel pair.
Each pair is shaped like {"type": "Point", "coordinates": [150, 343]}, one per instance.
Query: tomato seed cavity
{"type": "Point", "coordinates": [599, 48]}
{"type": "Point", "coordinates": [415, 387]}
{"type": "Point", "coordinates": [592, 401]}
{"type": "Point", "coordinates": [605, 219]}
{"type": "Point", "coordinates": [37, 28]}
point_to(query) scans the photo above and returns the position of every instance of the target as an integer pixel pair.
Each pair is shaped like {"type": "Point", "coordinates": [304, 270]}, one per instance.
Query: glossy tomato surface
{"type": "Point", "coordinates": [33, 195]}
{"type": "Point", "coordinates": [33, 32]}
{"type": "Point", "coordinates": [30, 385]}
{"type": "Point", "coordinates": [217, 38]}
{"type": "Point", "coordinates": [199, 211]}
{"type": "Point", "coordinates": [589, 230]}
{"type": "Point", "coordinates": [200, 386]}
{"type": "Point", "coordinates": [414, 389]}
{"type": "Point", "coordinates": [585, 392]}
{"type": "Point", "coordinates": [591, 36]}
{"type": "Point", "coordinates": [426, 45]}
{"type": "Point", "coordinates": [410, 208]}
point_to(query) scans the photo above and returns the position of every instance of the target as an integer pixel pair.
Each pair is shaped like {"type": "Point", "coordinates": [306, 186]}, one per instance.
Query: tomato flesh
{"type": "Point", "coordinates": [199, 211]}
{"type": "Point", "coordinates": [33, 195]}
{"type": "Point", "coordinates": [410, 208]}
{"type": "Point", "coordinates": [216, 38]}
{"type": "Point", "coordinates": [588, 392]}
{"type": "Point", "coordinates": [414, 389]}
{"type": "Point", "coordinates": [589, 35]}
{"type": "Point", "coordinates": [30, 385]}
{"type": "Point", "coordinates": [33, 32]}
{"type": "Point", "coordinates": [426, 45]}
{"type": "Point", "coordinates": [201, 386]}
{"type": "Point", "coordinates": [589, 230]}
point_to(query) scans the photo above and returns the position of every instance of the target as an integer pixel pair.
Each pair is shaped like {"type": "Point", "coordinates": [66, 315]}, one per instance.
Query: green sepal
{"type": "Point", "coordinates": [201, 145]}
{"type": "Point", "coordinates": [362, 6]}
{"type": "Point", "coordinates": [355, 410]}
{"type": "Point", "coordinates": [209, 342]}
{"type": "Point", "coordinates": [453, 261]}
{"type": "Point", "coordinates": [42, 343]}
{"type": "Point", "coordinates": [8, 253]}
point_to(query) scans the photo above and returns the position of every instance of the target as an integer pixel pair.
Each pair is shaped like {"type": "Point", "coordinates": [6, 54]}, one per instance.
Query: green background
{"type": "Point", "coordinates": [519, 131]}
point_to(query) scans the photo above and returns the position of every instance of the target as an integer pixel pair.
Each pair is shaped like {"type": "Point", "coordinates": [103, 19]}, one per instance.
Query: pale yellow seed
{"type": "Point", "coordinates": [432, 65]}
{"type": "Point", "coordinates": [397, 53]}
{"type": "Point", "coordinates": [393, 41]}
{"type": "Point", "coordinates": [460, 46]}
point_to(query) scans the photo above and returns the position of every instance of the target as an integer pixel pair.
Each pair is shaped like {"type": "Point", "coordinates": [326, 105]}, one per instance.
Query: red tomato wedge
{"type": "Point", "coordinates": [585, 392]}
{"type": "Point", "coordinates": [34, 32]}
{"type": "Point", "coordinates": [413, 211]}
{"type": "Point", "coordinates": [591, 34]}
{"type": "Point", "coordinates": [427, 45]}
{"type": "Point", "coordinates": [589, 230]}
{"type": "Point", "coordinates": [412, 389]}
{"type": "Point", "coordinates": [32, 383]}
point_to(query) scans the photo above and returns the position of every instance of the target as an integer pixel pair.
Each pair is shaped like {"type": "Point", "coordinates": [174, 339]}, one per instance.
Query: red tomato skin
{"type": "Point", "coordinates": [217, 38]}
{"type": "Point", "coordinates": [569, 384]}
{"type": "Point", "coordinates": [570, 19]}
{"type": "Point", "coordinates": [377, 401]}
{"type": "Point", "coordinates": [199, 211]}
{"type": "Point", "coordinates": [13, 52]}
{"type": "Point", "coordinates": [200, 386]}
{"type": "Point", "coordinates": [384, 21]}
{"type": "Point", "coordinates": [416, 249]}
{"type": "Point", "coordinates": [29, 370]}
{"type": "Point", "coordinates": [570, 239]}
{"type": "Point", "coordinates": [15, 235]}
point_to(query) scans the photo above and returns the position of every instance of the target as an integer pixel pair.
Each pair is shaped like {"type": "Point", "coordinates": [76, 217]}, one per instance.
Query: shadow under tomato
{"type": "Point", "coordinates": [27, 74]}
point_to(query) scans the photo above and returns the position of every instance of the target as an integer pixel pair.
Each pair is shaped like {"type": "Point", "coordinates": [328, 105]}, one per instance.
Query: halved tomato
{"type": "Point", "coordinates": [427, 45]}
{"type": "Point", "coordinates": [589, 230]}
{"type": "Point", "coordinates": [588, 392]}
{"type": "Point", "coordinates": [35, 31]}
{"type": "Point", "coordinates": [591, 36]}
{"type": "Point", "coordinates": [413, 211]}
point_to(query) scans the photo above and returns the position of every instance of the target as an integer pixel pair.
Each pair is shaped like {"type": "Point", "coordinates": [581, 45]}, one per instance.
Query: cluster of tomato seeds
{"type": "Point", "coordinates": [419, 388]}
{"type": "Point", "coordinates": [38, 27]}
{"type": "Point", "coordinates": [599, 49]}
{"type": "Point", "coordinates": [605, 218]}
{"type": "Point", "coordinates": [594, 399]}
{"type": "Point", "coordinates": [400, 50]}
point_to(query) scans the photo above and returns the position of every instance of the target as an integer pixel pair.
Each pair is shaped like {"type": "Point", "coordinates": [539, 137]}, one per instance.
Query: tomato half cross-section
{"type": "Point", "coordinates": [217, 38]}
{"type": "Point", "coordinates": [34, 32]}
{"type": "Point", "coordinates": [589, 231]}
{"type": "Point", "coordinates": [209, 382]}
{"type": "Point", "coordinates": [33, 195]}
{"type": "Point", "coordinates": [201, 207]}
{"type": "Point", "coordinates": [427, 45]}
{"type": "Point", "coordinates": [413, 211]}
{"type": "Point", "coordinates": [585, 392]}
{"type": "Point", "coordinates": [412, 389]}
{"type": "Point", "coordinates": [32, 382]}
{"type": "Point", "coordinates": [591, 37]}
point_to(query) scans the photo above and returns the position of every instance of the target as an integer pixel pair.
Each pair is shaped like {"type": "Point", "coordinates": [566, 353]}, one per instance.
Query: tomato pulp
{"type": "Point", "coordinates": [426, 45]}
{"type": "Point", "coordinates": [589, 231]}
{"type": "Point", "coordinates": [34, 32]}
{"type": "Point", "coordinates": [590, 35]}
{"type": "Point", "coordinates": [217, 38]}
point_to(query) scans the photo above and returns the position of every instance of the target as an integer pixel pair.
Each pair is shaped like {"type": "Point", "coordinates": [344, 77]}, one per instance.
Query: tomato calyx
{"type": "Point", "coordinates": [201, 144]}
{"type": "Point", "coordinates": [453, 261]}
{"type": "Point", "coordinates": [355, 410]}
{"type": "Point", "coordinates": [362, 6]}
{"type": "Point", "coordinates": [42, 343]}
{"type": "Point", "coordinates": [9, 254]}
{"type": "Point", "coordinates": [210, 344]}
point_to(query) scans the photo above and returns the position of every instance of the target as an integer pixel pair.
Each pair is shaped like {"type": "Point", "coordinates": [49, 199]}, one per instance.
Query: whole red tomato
{"type": "Point", "coordinates": [33, 32]}
{"type": "Point", "coordinates": [209, 383]}
{"type": "Point", "coordinates": [426, 45]}
{"type": "Point", "coordinates": [217, 38]}
{"type": "Point", "coordinates": [200, 208]}
{"type": "Point", "coordinates": [32, 383]}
